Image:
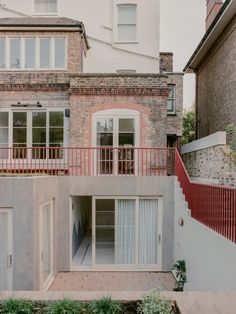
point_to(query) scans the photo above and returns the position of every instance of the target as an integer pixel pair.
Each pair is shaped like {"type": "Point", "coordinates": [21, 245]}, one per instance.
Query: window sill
{"type": "Point", "coordinates": [125, 42]}
{"type": "Point", "coordinates": [45, 13]}
{"type": "Point", "coordinates": [173, 114]}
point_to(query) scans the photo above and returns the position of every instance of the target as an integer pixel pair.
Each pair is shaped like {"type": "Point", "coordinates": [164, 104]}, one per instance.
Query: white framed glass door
{"type": "Point", "coordinates": [126, 232]}
{"type": "Point", "coordinates": [6, 261]}
{"type": "Point", "coordinates": [115, 136]}
{"type": "Point", "coordinates": [46, 243]}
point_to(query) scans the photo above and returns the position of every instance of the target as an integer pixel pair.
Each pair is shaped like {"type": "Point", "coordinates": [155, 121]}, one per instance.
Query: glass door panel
{"type": "Point", "coordinates": [125, 244]}
{"type": "Point", "coordinates": [104, 141]}
{"type": "Point", "coordinates": [4, 134]}
{"type": "Point", "coordinates": [126, 140]}
{"type": "Point", "coordinates": [105, 231]}
{"type": "Point", "coordinates": [19, 134]}
{"type": "Point", "coordinates": [39, 134]}
{"type": "Point", "coordinates": [148, 229]}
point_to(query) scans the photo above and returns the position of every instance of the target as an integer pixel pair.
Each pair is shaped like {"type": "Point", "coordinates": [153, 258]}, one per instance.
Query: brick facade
{"type": "Point", "coordinates": [216, 91]}
{"type": "Point", "coordinates": [86, 94]}
{"type": "Point", "coordinates": [166, 62]}
{"type": "Point", "coordinates": [74, 44]}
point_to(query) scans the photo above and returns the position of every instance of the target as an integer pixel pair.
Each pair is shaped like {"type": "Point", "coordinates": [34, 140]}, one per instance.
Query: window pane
{"type": "Point", "coordinates": [45, 6]}
{"type": "Point", "coordinates": [104, 125]}
{"type": "Point", "coordinates": [56, 118]}
{"type": "Point", "coordinates": [39, 119]}
{"type": "Point", "coordinates": [19, 135]}
{"type": "Point", "coordinates": [60, 52]}
{"type": "Point", "coordinates": [15, 53]}
{"type": "Point", "coordinates": [39, 135]}
{"type": "Point", "coordinates": [104, 139]}
{"type": "Point", "coordinates": [127, 32]}
{"type": "Point", "coordinates": [2, 53]}
{"type": "Point", "coordinates": [4, 135]}
{"type": "Point", "coordinates": [171, 91]}
{"type": "Point", "coordinates": [3, 119]}
{"type": "Point", "coordinates": [56, 135]}
{"type": "Point", "coordinates": [19, 119]}
{"type": "Point", "coordinates": [126, 125]}
{"type": "Point", "coordinates": [170, 105]}
{"type": "Point", "coordinates": [127, 14]}
{"type": "Point", "coordinates": [45, 52]}
{"type": "Point", "coordinates": [30, 53]}
{"type": "Point", "coordinates": [126, 139]}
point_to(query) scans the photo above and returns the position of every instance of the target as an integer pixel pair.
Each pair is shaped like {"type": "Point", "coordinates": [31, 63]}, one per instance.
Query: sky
{"type": "Point", "coordinates": [182, 27]}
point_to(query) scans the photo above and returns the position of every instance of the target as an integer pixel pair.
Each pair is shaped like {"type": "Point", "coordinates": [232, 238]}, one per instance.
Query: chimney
{"type": "Point", "coordinates": [213, 8]}
{"type": "Point", "coordinates": [166, 62]}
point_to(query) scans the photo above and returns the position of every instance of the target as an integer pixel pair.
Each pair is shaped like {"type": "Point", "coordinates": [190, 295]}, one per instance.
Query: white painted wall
{"type": "Point", "coordinates": [100, 19]}
{"type": "Point", "coordinates": [210, 258]}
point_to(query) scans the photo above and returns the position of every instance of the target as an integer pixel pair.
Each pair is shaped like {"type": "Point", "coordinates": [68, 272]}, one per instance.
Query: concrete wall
{"type": "Point", "coordinates": [100, 19]}
{"type": "Point", "coordinates": [210, 258]}
{"type": "Point", "coordinates": [215, 85]}
{"type": "Point", "coordinates": [25, 196]}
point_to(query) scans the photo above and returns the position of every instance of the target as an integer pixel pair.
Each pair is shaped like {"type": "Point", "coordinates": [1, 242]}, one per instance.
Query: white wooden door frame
{"type": "Point", "coordinates": [9, 256]}
{"type": "Point", "coordinates": [45, 285]}
{"type": "Point", "coordinates": [135, 266]}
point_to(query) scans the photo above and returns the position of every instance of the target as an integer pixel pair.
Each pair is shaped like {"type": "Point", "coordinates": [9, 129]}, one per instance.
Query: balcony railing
{"type": "Point", "coordinates": [92, 161]}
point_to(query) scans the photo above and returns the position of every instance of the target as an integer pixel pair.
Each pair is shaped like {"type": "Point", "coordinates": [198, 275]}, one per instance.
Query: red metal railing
{"type": "Point", "coordinates": [108, 161]}
{"type": "Point", "coordinates": [214, 206]}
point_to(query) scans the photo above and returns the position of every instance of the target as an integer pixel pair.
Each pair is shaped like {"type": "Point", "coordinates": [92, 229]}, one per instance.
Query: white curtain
{"type": "Point", "coordinates": [3, 251]}
{"type": "Point", "coordinates": [125, 232]}
{"type": "Point", "coordinates": [148, 216]}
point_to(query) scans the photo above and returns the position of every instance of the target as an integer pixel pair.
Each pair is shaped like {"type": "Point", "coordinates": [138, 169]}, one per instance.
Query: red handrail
{"type": "Point", "coordinates": [214, 206]}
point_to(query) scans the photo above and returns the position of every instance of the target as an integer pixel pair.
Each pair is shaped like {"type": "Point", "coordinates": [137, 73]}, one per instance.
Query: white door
{"type": "Point", "coordinates": [5, 249]}
{"type": "Point", "coordinates": [115, 138]}
{"type": "Point", "coordinates": [46, 244]}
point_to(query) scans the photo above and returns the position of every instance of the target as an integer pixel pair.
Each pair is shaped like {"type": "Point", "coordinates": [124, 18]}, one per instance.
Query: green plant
{"type": "Point", "coordinates": [16, 306]}
{"type": "Point", "coordinates": [231, 134]}
{"type": "Point", "coordinates": [188, 127]}
{"type": "Point", "coordinates": [64, 306]}
{"type": "Point", "coordinates": [153, 304]}
{"type": "Point", "coordinates": [179, 269]}
{"type": "Point", "coordinates": [105, 306]}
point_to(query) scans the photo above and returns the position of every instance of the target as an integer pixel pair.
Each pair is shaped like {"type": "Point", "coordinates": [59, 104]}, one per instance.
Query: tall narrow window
{"type": "Point", "coordinates": [127, 23]}
{"type": "Point", "coordinates": [2, 53]}
{"type": "Point", "coordinates": [45, 6]}
{"type": "Point", "coordinates": [60, 53]}
{"type": "Point", "coordinates": [15, 55]}
{"type": "Point", "coordinates": [30, 53]}
{"type": "Point", "coordinates": [171, 99]}
{"type": "Point", "coordinates": [56, 131]}
{"type": "Point", "coordinates": [45, 49]}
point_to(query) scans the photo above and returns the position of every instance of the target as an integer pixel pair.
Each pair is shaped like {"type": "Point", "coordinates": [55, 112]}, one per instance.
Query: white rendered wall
{"type": "Point", "coordinates": [100, 19]}
{"type": "Point", "coordinates": [210, 258]}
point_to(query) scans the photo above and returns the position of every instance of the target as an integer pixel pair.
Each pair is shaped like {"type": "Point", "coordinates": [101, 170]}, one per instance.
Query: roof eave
{"type": "Point", "coordinates": [226, 13]}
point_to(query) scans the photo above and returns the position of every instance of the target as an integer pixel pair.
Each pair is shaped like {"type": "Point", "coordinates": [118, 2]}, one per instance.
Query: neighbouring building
{"type": "Point", "coordinates": [213, 62]}
{"type": "Point", "coordinates": [86, 174]}
{"type": "Point", "coordinates": [123, 35]}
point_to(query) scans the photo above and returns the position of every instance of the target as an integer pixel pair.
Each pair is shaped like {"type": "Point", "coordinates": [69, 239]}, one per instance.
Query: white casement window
{"type": "Point", "coordinates": [39, 53]}
{"type": "Point", "coordinates": [45, 6]}
{"type": "Point", "coordinates": [127, 23]}
{"type": "Point", "coordinates": [171, 99]}
{"type": "Point", "coordinates": [32, 129]}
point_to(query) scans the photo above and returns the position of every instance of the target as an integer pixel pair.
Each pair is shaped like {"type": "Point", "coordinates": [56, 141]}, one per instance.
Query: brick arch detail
{"type": "Point", "coordinates": [143, 110]}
